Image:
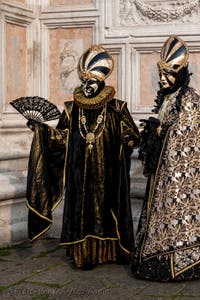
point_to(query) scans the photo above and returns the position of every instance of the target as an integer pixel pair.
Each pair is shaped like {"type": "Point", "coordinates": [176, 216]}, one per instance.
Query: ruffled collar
{"type": "Point", "coordinates": [96, 102]}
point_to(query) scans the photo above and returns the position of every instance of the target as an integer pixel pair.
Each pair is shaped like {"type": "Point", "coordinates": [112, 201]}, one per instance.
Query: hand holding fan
{"type": "Point", "coordinates": [36, 108]}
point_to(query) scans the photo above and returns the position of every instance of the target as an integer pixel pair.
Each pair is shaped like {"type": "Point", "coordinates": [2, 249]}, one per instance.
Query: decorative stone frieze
{"type": "Point", "coordinates": [141, 11]}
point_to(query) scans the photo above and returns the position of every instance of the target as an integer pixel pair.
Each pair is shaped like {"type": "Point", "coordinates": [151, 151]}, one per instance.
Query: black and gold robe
{"type": "Point", "coordinates": [168, 238]}
{"type": "Point", "coordinates": [97, 221]}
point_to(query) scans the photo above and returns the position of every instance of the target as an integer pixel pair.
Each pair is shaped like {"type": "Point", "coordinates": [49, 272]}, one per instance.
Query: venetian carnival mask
{"type": "Point", "coordinates": [94, 66]}
{"type": "Point", "coordinates": [174, 56]}
{"type": "Point", "coordinates": [90, 86]}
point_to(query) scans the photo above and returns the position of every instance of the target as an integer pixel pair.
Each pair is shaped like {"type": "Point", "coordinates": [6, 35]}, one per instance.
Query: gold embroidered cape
{"type": "Point", "coordinates": [168, 240]}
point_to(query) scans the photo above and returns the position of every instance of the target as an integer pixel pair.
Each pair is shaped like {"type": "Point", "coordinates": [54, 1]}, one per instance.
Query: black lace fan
{"type": "Point", "coordinates": [36, 108]}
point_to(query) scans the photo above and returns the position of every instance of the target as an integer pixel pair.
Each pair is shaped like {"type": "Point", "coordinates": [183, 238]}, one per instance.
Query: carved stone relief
{"type": "Point", "coordinates": [65, 47]}
{"type": "Point", "coordinates": [134, 12]}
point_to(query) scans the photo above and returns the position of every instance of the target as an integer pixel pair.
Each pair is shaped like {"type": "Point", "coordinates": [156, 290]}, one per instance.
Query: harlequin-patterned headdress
{"type": "Point", "coordinates": [96, 62]}
{"type": "Point", "coordinates": [174, 55]}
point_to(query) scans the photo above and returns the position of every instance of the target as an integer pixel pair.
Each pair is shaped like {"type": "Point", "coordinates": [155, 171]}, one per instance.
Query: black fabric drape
{"type": "Point", "coordinates": [95, 186]}
{"type": "Point", "coordinates": [44, 181]}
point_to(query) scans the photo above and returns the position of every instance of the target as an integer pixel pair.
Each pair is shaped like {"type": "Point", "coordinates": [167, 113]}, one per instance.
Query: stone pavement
{"type": "Point", "coordinates": [40, 271]}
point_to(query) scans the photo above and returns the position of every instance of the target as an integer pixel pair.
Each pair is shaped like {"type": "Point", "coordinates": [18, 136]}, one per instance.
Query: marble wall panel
{"type": "Point", "coordinates": [148, 78]}
{"type": "Point", "coordinates": [13, 221]}
{"type": "Point", "coordinates": [20, 1]}
{"type": "Point", "coordinates": [194, 67]}
{"type": "Point", "coordinates": [113, 78]}
{"type": "Point", "coordinates": [15, 61]}
{"type": "Point", "coordinates": [69, 2]}
{"type": "Point", "coordinates": [65, 47]}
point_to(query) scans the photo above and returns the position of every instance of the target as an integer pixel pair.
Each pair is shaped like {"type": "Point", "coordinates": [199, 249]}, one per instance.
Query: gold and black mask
{"type": "Point", "coordinates": [174, 56]}
{"type": "Point", "coordinates": [94, 66]}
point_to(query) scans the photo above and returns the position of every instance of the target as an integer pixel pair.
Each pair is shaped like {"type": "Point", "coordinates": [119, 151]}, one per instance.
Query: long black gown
{"type": "Point", "coordinates": [97, 221]}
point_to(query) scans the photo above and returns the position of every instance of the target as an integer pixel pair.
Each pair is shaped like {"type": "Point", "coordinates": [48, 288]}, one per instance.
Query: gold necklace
{"type": "Point", "coordinates": [91, 135]}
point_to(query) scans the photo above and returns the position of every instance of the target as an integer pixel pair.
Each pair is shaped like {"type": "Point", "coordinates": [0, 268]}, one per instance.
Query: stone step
{"type": "Point", "coordinates": [14, 216]}
{"type": "Point", "coordinates": [13, 221]}
{"type": "Point", "coordinates": [13, 184]}
{"type": "Point", "coordinates": [138, 189]}
{"type": "Point", "coordinates": [15, 143]}
{"type": "Point", "coordinates": [136, 207]}
{"type": "Point", "coordinates": [13, 165]}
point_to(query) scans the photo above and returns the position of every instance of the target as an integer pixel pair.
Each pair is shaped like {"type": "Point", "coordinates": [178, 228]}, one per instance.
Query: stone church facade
{"type": "Point", "coordinates": [41, 42]}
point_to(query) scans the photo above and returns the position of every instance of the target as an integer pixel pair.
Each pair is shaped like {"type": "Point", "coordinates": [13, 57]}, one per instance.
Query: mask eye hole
{"type": "Point", "coordinates": [175, 66]}
{"type": "Point", "coordinates": [166, 72]}
{"type": "Point", "coordinates": [83, 81]}
{"type": "Point", "coordinates": [92, 81]}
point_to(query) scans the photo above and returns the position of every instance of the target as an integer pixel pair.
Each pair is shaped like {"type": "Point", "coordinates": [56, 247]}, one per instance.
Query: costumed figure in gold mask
{"type": "Point", "coordinates": [168, 237]}
{"type": "Point", "coordinates": [85, 160]}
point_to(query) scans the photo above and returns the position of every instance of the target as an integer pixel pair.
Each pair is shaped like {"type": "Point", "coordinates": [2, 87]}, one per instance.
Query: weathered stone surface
{"type": "Point", "coordinates": [41, 271]}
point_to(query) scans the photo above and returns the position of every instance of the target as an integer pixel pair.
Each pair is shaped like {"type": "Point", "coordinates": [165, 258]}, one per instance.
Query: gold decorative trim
{"type": "Point", "coordinates": [37, 213]}
{"type": "Point", "coordinates": [123, 104]}
{"type": "Point", "coordinates": [117, 231]}
{"type": "Point", "coordinates": [105, 96]}
{"type": "Point", "coordinates": [172, 264]}
{"type": "Point", "coordinates": [170, 252]}
{"type": "Point", "coordinates": [86, 237]}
